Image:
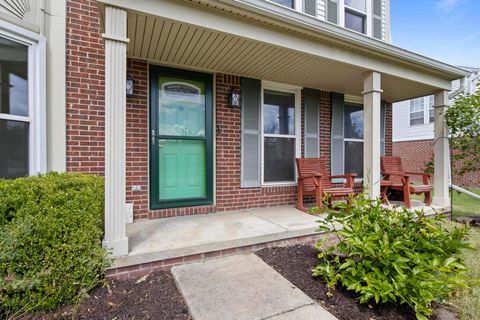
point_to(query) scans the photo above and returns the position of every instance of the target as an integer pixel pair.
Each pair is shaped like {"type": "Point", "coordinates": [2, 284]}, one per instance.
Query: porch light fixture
{"type": "Point", "coordinates": [235, 98]}
{"type": "Point", "coordinates": [129, 87]}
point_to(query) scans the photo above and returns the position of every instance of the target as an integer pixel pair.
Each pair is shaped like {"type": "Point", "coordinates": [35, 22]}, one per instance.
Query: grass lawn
{"type": "Point", "coordinates": [467, 303]}
{"type": "Point", "coordinates": [464, 205]}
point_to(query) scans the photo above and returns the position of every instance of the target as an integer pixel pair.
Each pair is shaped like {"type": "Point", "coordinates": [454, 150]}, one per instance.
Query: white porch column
{"type": "Point", "coordinates": [115, 103]}
{"type": "Point", "coordinates": [372, 95]}
{"type": "Point", "coordinates": [442, 152]}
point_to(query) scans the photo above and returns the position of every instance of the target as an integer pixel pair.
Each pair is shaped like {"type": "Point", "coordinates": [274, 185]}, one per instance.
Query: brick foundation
{"type": "Point", "coordinates": [136, 271]}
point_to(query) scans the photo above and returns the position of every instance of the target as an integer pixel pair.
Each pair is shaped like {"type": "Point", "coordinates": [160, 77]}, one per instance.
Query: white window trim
{"type": "Point", "coordinates": [368, 13]}
{"type": "Point", "coordinates": [297, 91]}
{"type": "Point", "coordinates": [352, 102]}
{"type": "Point", "coordinates": [36, 43]}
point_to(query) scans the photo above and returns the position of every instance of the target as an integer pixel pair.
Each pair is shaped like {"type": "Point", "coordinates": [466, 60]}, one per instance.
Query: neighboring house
{"type": "Point", "coordinates": [223, 95]}
{"type": "Point", "coordinates": [413, 128]}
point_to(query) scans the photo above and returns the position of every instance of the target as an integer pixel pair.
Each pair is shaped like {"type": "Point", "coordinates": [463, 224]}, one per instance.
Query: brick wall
{"type": "Point", "coordinates": [137, 138]}
{"type": "Point", "coordinates": [85, 125]}
{"type": "Point", "coordinates": [415, 154]}
{"type": "Point", "coordinates": [85, 101]}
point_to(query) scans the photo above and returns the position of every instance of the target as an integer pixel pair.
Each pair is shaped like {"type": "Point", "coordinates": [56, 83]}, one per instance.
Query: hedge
{"type": "Point", "coordinates": [51, 228]}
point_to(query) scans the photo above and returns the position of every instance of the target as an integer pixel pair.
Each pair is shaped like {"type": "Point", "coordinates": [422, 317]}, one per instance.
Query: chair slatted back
{"type": "Point", "coordinates": [309, 166]}
{"type": "Point", "coordinates": [391, 164]}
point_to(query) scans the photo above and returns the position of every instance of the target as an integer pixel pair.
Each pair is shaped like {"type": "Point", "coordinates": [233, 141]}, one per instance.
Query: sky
{"type": "Point", "coordinates": [445, 30]}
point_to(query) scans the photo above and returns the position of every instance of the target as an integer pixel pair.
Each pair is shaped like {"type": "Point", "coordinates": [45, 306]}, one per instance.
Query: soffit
{"type": "Point", "coordinates": [186, 45]}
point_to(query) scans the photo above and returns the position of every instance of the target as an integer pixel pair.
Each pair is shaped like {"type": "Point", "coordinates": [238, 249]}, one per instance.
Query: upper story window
{"type": "Point", "coordinates": [286, 3]}
{"type": "Point", "coordinates": [355, 15]}
{"type": "Point", "coordinates": [422, 111]}
{"type": "Point", "coordinates": [416, 111]}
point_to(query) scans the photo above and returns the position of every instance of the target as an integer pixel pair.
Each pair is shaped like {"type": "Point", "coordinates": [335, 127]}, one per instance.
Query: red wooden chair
{"type": "Point", "coordinates": [313, 180]}
{"type": "Point", "coordinates": [392, 170]}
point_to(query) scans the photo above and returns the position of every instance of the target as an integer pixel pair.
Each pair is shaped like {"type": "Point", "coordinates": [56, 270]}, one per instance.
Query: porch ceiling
{"type": "Point", "coordinates": [191, 45]}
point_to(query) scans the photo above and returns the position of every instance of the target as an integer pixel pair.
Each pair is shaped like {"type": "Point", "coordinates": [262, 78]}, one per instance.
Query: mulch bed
{"type": "Point", "coordinates": [154, 297]}
{"type": "Point", "coordinates": [296, 263]}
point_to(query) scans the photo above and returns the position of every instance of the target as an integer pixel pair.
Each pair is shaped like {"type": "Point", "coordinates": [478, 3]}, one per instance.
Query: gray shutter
{"type": "Point", "coordinates": [383, 122]}
{"type": "Point", "coordinates": [310, 7]}
{"type": "Point", "coordinates": [337, 144]}
{"type": "Point", "coordinates": [312, 123]}
{"type": "Point", "coordinates": [332, 11]}
{"type": "Point", "coordinates": [377, 19]}
{"type": "Point", "coordinates": [250, 147]}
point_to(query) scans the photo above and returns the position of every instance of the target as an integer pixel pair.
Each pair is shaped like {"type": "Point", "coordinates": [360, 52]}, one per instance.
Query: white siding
{"type": "Point", "coordinates": [403, 131]}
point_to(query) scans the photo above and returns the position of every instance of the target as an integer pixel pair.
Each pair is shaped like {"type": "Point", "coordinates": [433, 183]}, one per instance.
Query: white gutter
{"type": "Point", "coordinates": [285, 15]}
{"type": "Point", "coordinates": [461, 89]}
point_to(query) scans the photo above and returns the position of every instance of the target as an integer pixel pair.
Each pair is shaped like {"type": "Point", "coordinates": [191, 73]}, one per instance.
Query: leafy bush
{"type": "Point", "coordinates": [392, 255]}
{"type": "Point", "coordinates": [50, 240]}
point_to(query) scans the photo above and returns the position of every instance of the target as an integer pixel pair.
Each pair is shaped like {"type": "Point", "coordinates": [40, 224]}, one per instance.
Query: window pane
{"type": "Point", "coordinates": [14, 149]}
{"type": "Point", "coordinates": [279, 159]}
{"type": "Point", "coordinates": [431, 114]}
{"type": "Point", "coordinates": [182, 107]}
{"type": "Point", "coordinates": [416, 105]}
{"type": "Point", "coordinates": [416, 118]}
{"type": "Point", "coordinates": [354, 158]}
{"type": "Point", "coordinates": [278, 112]}
{"type": "Point", "coordinates": [354, 21]}
{"type": "Point", "coordinates": [356, 4]}
{"type": "Point", "coordinates": [287, 3]}
{"type": "Point", "coordinates": [353, 117]}
{"type": "Point", "coordinates": [14, 78]}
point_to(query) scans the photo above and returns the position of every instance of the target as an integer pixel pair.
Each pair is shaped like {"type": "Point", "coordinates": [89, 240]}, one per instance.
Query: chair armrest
{"type": "Point", "coordinates": [348, 175]}
{"type": "Point", "coordinates": [403, 175]}
{"type": "Point", "coordinates": [418, 174]}
{"type": "Point", "coordinates": [313, 175]}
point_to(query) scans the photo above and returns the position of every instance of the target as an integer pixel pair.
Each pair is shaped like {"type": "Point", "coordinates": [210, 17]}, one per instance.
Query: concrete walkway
{"type": "Point", "coordinates": [243, 287]}
{"type": "Point", "coordinates": [167, 238]}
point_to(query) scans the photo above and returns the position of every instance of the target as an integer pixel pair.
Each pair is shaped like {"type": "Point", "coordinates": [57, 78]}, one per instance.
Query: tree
{"type": "Point", "coordinates": [463, 121]}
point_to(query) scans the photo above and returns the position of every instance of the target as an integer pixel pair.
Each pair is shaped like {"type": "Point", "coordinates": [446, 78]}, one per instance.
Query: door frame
{"type": "Point", "coordinates": [154, 194]}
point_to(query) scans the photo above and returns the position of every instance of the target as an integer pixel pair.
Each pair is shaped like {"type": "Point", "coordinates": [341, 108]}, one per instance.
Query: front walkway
{"type": "Point", "coordinates": [167, 238]}
{"type": "Point", "coordinates": [243, 287]}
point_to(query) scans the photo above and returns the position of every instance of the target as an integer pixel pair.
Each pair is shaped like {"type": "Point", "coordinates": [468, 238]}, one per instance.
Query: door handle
{"type": "Point", "coordinates": [154, 137]}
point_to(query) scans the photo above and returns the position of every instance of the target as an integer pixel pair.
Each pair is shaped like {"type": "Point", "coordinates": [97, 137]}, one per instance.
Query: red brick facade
{"type": "Point", "coordinates": [85, 125]}
{"type": "Point", "coordinates": [85, 101]}
{"type": "Point", "coordinates": [415, 154]}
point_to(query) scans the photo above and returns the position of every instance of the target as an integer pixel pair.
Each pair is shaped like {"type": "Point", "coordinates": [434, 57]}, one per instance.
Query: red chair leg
{"type": "Point", "coordinates": [428, 198]}
{"type": "Point", "coordinates": [406, 197]}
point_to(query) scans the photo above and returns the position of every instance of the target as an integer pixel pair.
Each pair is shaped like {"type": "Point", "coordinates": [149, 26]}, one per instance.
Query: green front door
{"type": "Point", "coordinates": [181, 138]}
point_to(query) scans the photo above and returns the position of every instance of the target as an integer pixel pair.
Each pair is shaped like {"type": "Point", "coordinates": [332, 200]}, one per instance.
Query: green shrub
{"type": "Point", "coordinates": [51, 228]}
{"type": "Point", "coordinates": [390, 255]}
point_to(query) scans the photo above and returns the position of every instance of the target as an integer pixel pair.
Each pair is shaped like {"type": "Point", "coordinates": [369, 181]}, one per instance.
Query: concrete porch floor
{"type": "Point", "coordinates": [167, 238]}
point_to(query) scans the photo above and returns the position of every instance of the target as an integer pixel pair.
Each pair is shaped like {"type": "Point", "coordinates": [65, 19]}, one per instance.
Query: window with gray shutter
{"type": "Point", "coordinates": [250, 146]}
{"type": "Point", "coordinates": [337, 145]}
{"type": "Point", "coordinates": [310, 7]}
{"type": "Point", "coordinates": [332, 11]}
{"type": "Point", "coordinates": [383, 123]}
{"type": "Point", "coordinates": [312, 123]}
{"type": "Point", "coordinates": [377, 19]}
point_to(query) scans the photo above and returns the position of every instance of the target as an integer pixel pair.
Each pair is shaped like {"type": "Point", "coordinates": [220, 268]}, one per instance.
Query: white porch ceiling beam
{"type": "Point", "coordinates": [234, 25]}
